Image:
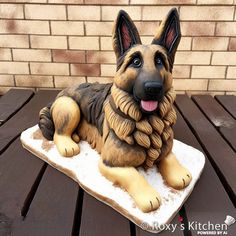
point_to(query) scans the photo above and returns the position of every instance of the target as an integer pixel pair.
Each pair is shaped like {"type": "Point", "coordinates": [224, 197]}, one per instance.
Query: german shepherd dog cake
{"type": "Point", "coordinates": [129, 122]}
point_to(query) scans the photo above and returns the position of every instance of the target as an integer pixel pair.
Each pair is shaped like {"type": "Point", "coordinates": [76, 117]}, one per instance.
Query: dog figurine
{"type": "Point", "coordinates": [129, 122]}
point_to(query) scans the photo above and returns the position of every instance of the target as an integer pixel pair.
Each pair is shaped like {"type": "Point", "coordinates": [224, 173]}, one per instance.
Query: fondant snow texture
{"type": "Point", "coordinates": [83, 168]}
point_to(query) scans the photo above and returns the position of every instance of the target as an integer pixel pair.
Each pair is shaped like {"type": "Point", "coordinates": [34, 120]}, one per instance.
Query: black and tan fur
{"type": "Point", "coordinates": [110, 117]}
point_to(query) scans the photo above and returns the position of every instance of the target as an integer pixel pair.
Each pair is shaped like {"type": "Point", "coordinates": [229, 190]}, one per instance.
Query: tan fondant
{"type": "Point", "coordinates": [122, 127]}
{"type": "Point", "coordinates": [174, 173]}
{"type": "Point", "coordinates": [84, 165]}
{"type": "Point", "coordinates": [125, 102]}
{"type": "Point", "coordinates": [90, 133]}
{"type": "Point", "coordinates": [144, 126]}
{"type": "Point", "coordinates": [142, 139]}
{"type": "Point", "coordinates": [66, 116]}
{"type": "Point", "coordinates": [75, 137]}
{"type": "Point", "coordinates": [115, 125]}
{"type": "Point", "coordinates": [146, 198]}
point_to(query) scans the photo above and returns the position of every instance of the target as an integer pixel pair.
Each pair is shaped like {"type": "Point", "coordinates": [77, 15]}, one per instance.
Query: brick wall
{"type": "Point", "coordinates": [57, 43]}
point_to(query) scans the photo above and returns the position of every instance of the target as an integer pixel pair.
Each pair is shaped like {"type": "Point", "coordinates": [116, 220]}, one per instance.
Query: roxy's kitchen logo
{"type": "Point", "coordinates": [206, 228]}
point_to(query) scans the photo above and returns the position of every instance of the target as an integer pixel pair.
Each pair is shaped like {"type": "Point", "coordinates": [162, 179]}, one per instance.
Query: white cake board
{"type": "Point", "coordinates": [83, 168]}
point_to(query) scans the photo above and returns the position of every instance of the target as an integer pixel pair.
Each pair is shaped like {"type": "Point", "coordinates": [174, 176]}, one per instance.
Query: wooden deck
{"type": "Point", "coordinates": [36, 199]}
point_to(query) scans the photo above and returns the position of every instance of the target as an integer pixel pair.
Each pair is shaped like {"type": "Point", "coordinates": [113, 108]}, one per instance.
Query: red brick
{"type": "Point", "coordinates": [98, 28]}
{"type": "Point", "coordinates": [53, 42]}
{"type": "Point", "coordinates": [225, 85]}
{"type": "Point", "coordinates": [108, 70]}
{"type": "Point", "coordinates": [100, 57]}
{"type": "Point", "coordinates": [232, 44]}
{"type": "Point", "coordinates": [197, 28]}
{"type": "Point", "coordinates": [24, 27]}
{"type": "Point", "coordinates": [162, 2]}
{"type": "Point", "coordinates": [226, 29]}
{"type": "Point", "coordinates": [210, 43]}
{"type": "Point", "coordinates": [14, 41]}
{"type": "Point", "coordinates": [207, 13]}
{"type": "Point", "coordinates": [190, 84]}
{"type": "Point", "coordinates": [107, 2]}
{"type": "Point", "coordinates": [215, 2]}
{"type": "Point", "coordinates": [84, 43]}
{"type": "Point", "coordinates": [67, 81]}
{"type": "Point", "coordinates": [34, 81]}
{"type": "Point", "coordinates": [231, 72]}
{"type": "Point", "coordinates": [208, 72]}
{"type": "Point", "coordinates": [147, 28]}
{"type": "Point", "coordinates": [110, 12]}
{"type": "Point", "coordinates": [67, 28]}
{"type": "Point", "coordinates": [84, 13]}
{"type": "Point", "coordinates": [155, 13]}
{"type": "Point", "coordinates": [5, 54]}
{"type": "Point", "coordinates": [181, 71]}
{"type": "Point", "coordinates": [106, 43]}
{"type": "Point", "coordinates": [31, 55]}
{"type": "Point", "coordinates": [192, 58]}
{"type": "Point", "coordinates": [12, 11]}
{"type": "Point", "coordinates": [6, 80]}
{"type": "Point", "coordinates": [66, 1]}
{"type": "Point", "coordinates": [14, 67]}
{"type": "Point", "coordinates": [25, 1]}
{"type": "Point", "coordinates": [85, 69]}
{"type": "Point", "coordinates": [49, 68]}
{"type": "Point", "coordinates": [224, 58]}
{"type": "Point", "coordinates": [100, 79]}
{"type": "Point", "coordinates": [68, 56]}
{"type": "Point", "coordinates": [42, 12]}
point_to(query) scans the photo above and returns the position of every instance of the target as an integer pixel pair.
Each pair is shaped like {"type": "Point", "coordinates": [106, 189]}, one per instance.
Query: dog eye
{"type": "Point", "coordinates": [158, 61]}
{"type": "Point", "coordinates": [136, 62]}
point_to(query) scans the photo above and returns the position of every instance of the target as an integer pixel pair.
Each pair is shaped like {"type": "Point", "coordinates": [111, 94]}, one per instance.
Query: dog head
{"type": "Point", "coordinates": [145, 70]}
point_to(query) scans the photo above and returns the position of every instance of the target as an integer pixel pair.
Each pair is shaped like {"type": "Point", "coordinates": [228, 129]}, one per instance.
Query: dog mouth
{"type": "Point", "coordinates": [146, 105]}
{"type": "Point", "coordinates": [148, 96]}
{"type": "Point", "coordinates": [149, 106]}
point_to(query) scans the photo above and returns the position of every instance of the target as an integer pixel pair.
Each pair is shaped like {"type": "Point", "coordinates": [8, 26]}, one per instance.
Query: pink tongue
{"type": "Point", "coordinates": [149, 105]}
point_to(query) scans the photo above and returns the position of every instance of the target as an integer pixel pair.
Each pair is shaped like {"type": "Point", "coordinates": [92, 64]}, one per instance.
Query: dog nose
{"type": "Point", "coordinates": [153, 88]}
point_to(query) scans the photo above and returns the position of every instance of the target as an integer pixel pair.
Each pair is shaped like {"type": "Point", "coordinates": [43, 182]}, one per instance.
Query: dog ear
{"type": "Point", "coordinates": [125, 34]}
{"type": "Point", "coordinates": [169, 35]}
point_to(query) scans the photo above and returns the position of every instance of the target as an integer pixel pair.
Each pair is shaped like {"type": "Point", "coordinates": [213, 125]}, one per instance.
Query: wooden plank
{"type": "Point", "coordinates": [228, 102]}
{"type": "Point", "coordinates": [19, 170]}
{"type": "Point", "coordinates": [209, 200]}
{"type": "Point", "coordinates": [220, 153]}
{"type": "Point", "coordinates": [12, 101]}
{"type": "Point", "coordinates": [25, 118]}
{"type": "Point", "coordinates": [219, 117]}
{"type": "Point", "coordinates": [100, 219]}
{"type": "Point", "coordinates": [53, 207]}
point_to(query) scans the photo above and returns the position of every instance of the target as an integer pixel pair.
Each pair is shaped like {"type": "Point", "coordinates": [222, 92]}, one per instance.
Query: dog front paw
{"type": "Point", "coordinates": [175, 175]}
{"type": "Point", "coordinates": [180, 179]}
{"type": "Point", "coordinates": [147, 199]}
{"type": "Point", "coordinates": [66, 146]}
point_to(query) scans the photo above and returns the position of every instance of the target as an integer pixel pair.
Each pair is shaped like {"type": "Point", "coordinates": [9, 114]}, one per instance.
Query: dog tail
{"type": "Point", "coordinates": [46, 123]}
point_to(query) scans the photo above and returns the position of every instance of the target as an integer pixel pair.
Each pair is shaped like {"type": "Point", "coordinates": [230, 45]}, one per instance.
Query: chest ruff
{"type": "Point", "coordinates": [153, 133]}
{"type": "Point", "coordinates": [114, 125]}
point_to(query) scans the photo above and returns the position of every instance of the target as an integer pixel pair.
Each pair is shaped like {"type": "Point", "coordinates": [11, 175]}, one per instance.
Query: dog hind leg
{"type": "Point", "coordinates": [66, 116]}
